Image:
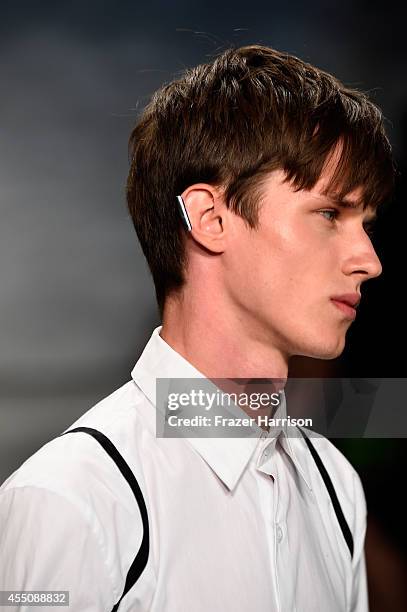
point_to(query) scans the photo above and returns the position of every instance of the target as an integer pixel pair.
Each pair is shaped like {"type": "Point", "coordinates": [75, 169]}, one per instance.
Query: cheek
{"type": "Point", "coordinates": [265, 274]}
{"type": "Point", "coordinates": [282, 263]}
{"type": "Point", "coordinates": [295, 283]}
{"type": "Point", "coordinates": [248, 271]}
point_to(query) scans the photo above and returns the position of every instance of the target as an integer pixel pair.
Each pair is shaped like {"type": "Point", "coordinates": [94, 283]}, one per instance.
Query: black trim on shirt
{"type": "Point", "coordinates": [347, 534]}
{"type": "Point", "coordinates": [141, 558]}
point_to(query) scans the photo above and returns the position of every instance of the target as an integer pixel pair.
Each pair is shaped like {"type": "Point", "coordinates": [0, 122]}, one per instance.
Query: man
{"type": "Point", "coordinates": [279, 169]}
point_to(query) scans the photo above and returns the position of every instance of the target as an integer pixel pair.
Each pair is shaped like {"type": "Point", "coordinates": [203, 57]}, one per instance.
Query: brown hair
{"type": "Point", "coordinates": [229, 123]}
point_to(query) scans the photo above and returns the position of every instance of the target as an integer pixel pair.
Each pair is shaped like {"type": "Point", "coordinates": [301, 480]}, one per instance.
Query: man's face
{"type": "Point", "coordinates": [283, 275]}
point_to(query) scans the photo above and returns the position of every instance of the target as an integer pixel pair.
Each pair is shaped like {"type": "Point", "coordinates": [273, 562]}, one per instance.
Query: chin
{"type": "Point", "coordinates": [332, 353]}
{"type": "Point", "coordinates": [323, 350]}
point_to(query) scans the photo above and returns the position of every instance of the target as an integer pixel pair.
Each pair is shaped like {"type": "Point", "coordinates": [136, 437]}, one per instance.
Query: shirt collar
{"type": "Point", "coordinates": [227, 457]}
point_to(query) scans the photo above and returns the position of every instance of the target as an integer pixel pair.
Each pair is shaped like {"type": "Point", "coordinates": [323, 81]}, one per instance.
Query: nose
{"type": "Point", "coordinates": [363, 260]}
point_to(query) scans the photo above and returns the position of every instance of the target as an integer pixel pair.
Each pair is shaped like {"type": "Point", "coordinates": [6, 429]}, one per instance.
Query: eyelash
{"type": "Point", "coordinates": [368, 227]}
{"type": "Point", "coordinates": [332, 211]}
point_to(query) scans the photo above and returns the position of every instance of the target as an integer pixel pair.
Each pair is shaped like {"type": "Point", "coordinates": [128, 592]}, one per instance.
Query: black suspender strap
{"type": "Point", "coordinates": [347, 534]}
{"type": "Point", "coordinates": [141, 558]}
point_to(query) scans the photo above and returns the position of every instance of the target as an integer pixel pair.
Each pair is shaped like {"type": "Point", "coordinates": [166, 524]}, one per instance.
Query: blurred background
{"type": "Point", "coordinates": [76, 301]}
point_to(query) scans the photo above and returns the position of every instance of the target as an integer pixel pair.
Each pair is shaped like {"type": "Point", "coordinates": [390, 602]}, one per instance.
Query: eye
{"type": "Point", "coordinates": [329, 211]}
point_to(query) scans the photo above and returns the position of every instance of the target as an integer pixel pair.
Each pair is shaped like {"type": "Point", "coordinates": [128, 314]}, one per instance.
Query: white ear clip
{"type": "Point", "coordinates": [184, 215]}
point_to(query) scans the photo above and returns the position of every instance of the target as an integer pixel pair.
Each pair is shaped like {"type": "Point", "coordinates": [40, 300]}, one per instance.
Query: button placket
{"type": "Point", "coordinates": [266, 453]}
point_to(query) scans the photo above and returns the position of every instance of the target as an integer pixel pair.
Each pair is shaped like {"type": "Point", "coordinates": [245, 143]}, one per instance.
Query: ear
{"type": "Point", "coordinates": [208, 214]}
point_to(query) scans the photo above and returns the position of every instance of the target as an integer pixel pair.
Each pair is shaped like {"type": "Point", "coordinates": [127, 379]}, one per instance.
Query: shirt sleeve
{"type": "Point", "coordinates": [46, 544]}
{"type": "Point", "coordinates": [359, 600]}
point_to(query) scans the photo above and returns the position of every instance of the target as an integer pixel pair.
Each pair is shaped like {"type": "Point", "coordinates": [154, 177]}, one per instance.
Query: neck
{"type": "Point", "coordinates": [218, 344]}
{"type": "Point", "coordinates": [222, 347]}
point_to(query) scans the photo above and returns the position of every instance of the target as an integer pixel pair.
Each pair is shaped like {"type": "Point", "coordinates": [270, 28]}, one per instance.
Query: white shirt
{"type": "Point", "coordinates": [224, 535]}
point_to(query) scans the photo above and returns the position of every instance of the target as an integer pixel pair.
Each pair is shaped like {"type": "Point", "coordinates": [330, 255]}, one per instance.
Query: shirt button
{"type": "Point", "coordinates": [279, 534]}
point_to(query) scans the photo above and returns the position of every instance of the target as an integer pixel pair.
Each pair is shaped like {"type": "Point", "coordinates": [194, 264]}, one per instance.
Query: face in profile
{"type": "Point", "coordinates": [284, 274]}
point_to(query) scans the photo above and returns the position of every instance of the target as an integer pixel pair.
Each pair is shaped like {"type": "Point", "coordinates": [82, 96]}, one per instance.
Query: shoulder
{"type": "Point", "coordinates": [74, 478]}
{"type": "Point", "coordinates": [73, 472]}
{"type": "Point", "coordinates": [76, 466]}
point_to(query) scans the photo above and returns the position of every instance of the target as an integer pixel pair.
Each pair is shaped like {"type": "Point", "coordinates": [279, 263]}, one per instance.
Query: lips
{"type": "Point", "coordinates": [351, 299]}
